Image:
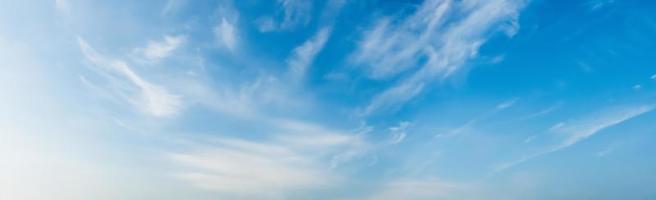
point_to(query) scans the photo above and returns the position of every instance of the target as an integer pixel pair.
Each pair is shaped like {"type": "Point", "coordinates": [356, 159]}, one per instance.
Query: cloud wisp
{"type": "Point", "coordinates": [156, 50]}
{"type": "Point", "coordinates": [297, 157]}
{"type": "Point", "coordinates": [434, 42]}
{"type": "Point", "coordinates": [303, 56]}
{"type": "Point", "coordinates": [582, 129]}
{"type": "Point", "coordinates": [227, 34]}
{"type": "Point", "coordinates": [146, 96]}
{"type": "Point", "coordinates": [293, 13]}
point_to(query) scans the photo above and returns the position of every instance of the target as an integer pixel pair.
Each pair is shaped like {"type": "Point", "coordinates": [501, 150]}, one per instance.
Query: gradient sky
{"type": "Point", "coordinates": [334, 99]}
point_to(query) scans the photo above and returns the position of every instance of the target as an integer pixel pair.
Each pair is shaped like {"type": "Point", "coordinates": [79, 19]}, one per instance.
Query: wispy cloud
{"type": "Point", "coordinates": [250, 168]}
{"type": "Point", "coordinates": [156, 50]}
{"type": "Point", "coordinates": [469, 125]}
{"type": "Point", "coordinates": [598, 4]}
{"type": "Point", "coordinates": [436, 41]}
{"type": "Point", "coordinates": [294, 13]}
{"type": "Point", "coordinates": [172, 6]}
{"type": "Point", "coordinates": [227, 34]}
{"type": "Point", "coordinates": [584, 128]}
{"type": "Point", "coordinates": [653, 77]}
{"type": "Point", "coordinates": [303, 56]}
{"type": "Point", "coordinates": [151, 98]}
{"type": "Point", "coordinates": [299, 156]}
{"type": "Point", "coordinates": [399, 132]}
{"type": "Point", "coordinates": [506, 104]}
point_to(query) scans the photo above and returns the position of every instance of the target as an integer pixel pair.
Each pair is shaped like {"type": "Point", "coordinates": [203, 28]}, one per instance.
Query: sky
{"type": "Point", "coordinates": [334, 99]}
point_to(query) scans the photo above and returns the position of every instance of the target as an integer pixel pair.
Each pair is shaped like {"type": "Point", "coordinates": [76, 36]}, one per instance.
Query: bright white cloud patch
{"type": "Point", "coordinates": [162, 49]}
{"type": "Point", "coordinates": [303, 56]}
{"type": "Point", "coordinates": [435, 41]}
{"type": "Point", "coordinates": [151, 98]}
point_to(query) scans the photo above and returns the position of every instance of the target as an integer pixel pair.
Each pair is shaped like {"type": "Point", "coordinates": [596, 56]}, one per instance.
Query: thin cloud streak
{"type": "Point", "coordinates": [303, 56]}
{"type": "Point", "coordinates": [583, 129]}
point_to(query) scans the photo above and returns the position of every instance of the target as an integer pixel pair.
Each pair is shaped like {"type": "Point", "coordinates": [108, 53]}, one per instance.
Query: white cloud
{"type": "Point", "coordinates": [172, 6]}
{"type": "Point", "coordinates": [294, 13]}
{"type": "Point", "coordinates": [162, 49]}
{"type": "Point", "coordinates": [151, 98]}
{"type": "Point", "coordinates": [470, 124]}
{"type": "Point", "coordinates": [299, 156]}
{"type": "Point", "coordinates": [653, 77]}
{"type": "Point", "coordinates": [391, 98]}
{"type": "Point", "coordinates": [226, 33]}
{"type": "Point", "coordinates": [248, 168]}
{"type": "Point", "coordinates": [582, 129]}
{"type": "Point", "coordinates": [436, 41]}
{"type": "Point", "coordinates": [598, 4]}
{"type": "Point", "coordinates": [399, 132]}
{"type": "Point", "coordinates": [585, 128]}
{"type": "Point", "coordinates": [303, 56]}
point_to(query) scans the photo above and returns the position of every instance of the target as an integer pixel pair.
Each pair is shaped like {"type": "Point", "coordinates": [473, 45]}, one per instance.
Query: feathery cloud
{"type": "Point", "coordinates": [151, 98]}
{"type": "Point", "coordinates": [297, 157]}
{"type": "Point", "coordinates": [399, 132]}
{"type": "Point", "coordinates": [303, 56]}
{"type": "Point", "coordinates": [582, 129]}
{"type": "Point", "coordinates": [226, 34]}
{"type": "Point", "coordinates": [250, 168]}
{"type": "Point", "coordinates": [162, 49]}
{"type": "Point", "coordinates": [294, 13]}
{"type": "Point", "coordinates": [435, 41]}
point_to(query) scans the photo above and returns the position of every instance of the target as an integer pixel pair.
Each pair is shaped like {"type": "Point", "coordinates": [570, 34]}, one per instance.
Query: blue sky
{"type": "Point", "coordinates": [336, 99]}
